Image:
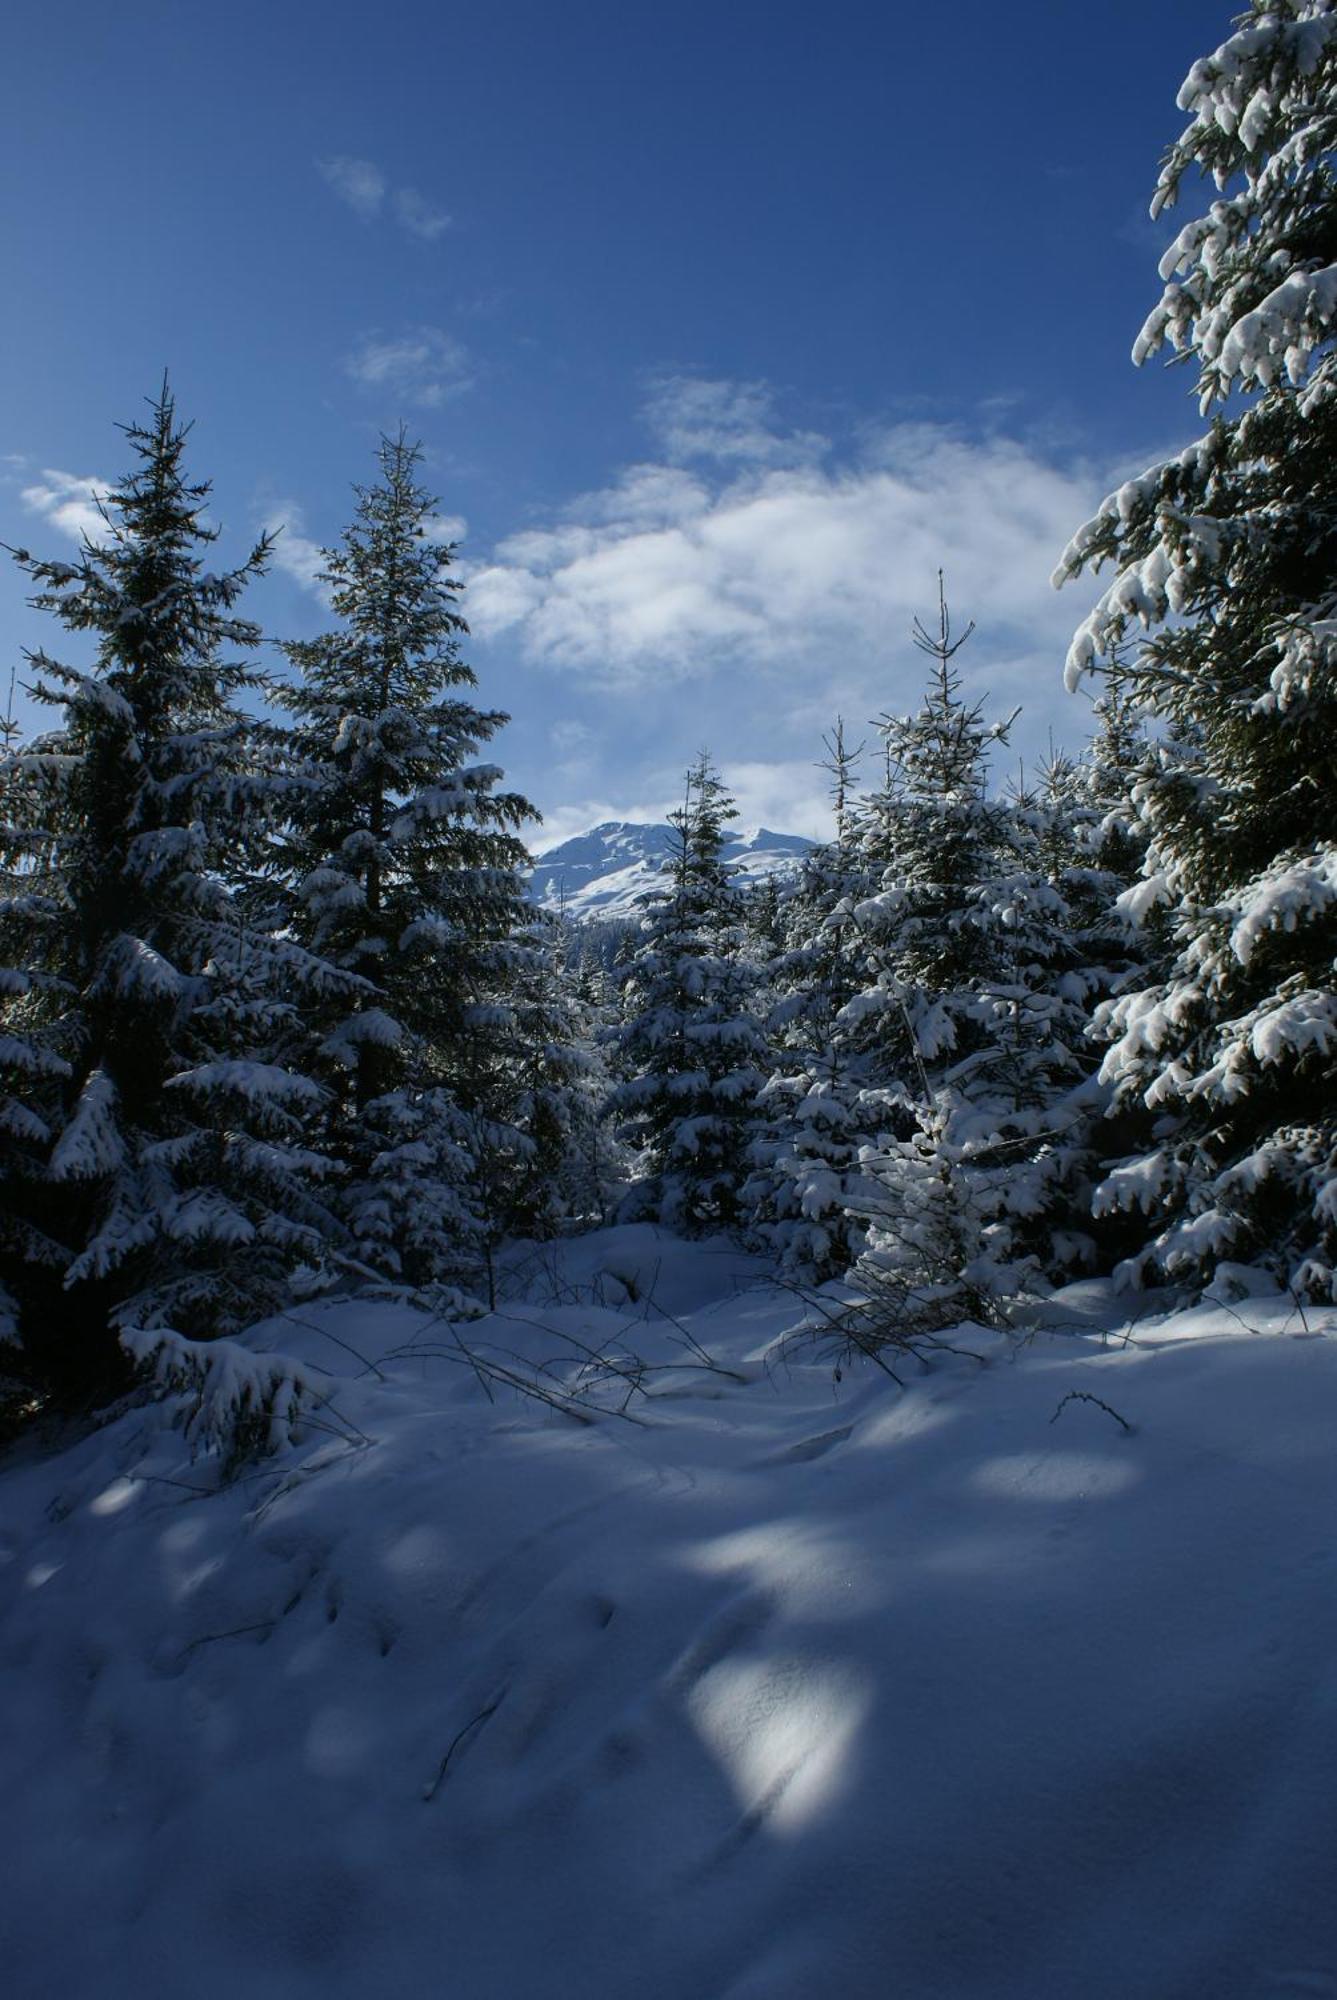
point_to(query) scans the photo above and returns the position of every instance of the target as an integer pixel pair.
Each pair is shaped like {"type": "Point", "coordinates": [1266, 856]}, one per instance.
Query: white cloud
{"type": "Point", "coordinates": [365, 188]}
{"type": "Point", "coordinates": [789, 796]}
{"type": "Point", "coordinates": [358, 183]}
{"type": "Point", "coordinates": [444, 529]}
{"type": "Point", "coordinates": [416, 214]}
{"type": "Point", "coordinates": [782, 567]}
{"type": "Point", "coordinates": [423, 366]}
{"type": "Point", "coordinates": [295, 554]}
{"type": "Point", "coordinates": [746, 600]}
{"type": "Point", "coordinates": [69, 502]}
{"type": "Point", "coordinates": [501, 599]}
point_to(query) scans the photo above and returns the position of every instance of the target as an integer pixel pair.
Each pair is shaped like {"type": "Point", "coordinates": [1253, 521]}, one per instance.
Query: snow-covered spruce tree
{"type": "Point", "coordinates": [155, 1164]}
{"type": "Point", "coordinates": [562, 1168]}
{"type": "Point", "coordinates": [403, 865]}
{"type": "Point", "coordinates": [1068, 855]}
{"type": "Point", "coordinates": [1110, 833]}
{"type": "Point", "coordinates": [1090, 843]}
{"type": "Point", "coordinates": [691, 1048]}
{"type": "Point", "coordinates": [978, 1012]}
{"type": "Point", "coordinates": [1227, 559]}
{"type": "Point", "coordinates": [931, 836]}
{"type": "Point", "coordinates": [824, 1103]}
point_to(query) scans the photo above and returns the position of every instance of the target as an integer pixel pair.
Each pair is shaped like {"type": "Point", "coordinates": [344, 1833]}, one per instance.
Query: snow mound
{"type": "Point", "coordinates": [729, 1678]}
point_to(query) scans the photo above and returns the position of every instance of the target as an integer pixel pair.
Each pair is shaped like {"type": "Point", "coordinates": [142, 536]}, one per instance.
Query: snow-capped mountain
{"type": "Point", "coordinates": [602, 872]}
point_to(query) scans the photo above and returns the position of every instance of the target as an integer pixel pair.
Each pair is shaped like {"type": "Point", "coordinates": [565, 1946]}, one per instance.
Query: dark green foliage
{"type": "Point", "coordinates": [1225, 1070]}
{"type": "Point", "coordinates": [153, 1156]}
{"type": "Point", "coordinates": [691, 1047]}
{"type": "Point", "coordinates": [403, 869]}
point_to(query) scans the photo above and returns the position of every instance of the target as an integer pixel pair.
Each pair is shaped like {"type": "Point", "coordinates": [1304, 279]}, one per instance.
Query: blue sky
{"type": "Point", "coordinates": [721, 325]}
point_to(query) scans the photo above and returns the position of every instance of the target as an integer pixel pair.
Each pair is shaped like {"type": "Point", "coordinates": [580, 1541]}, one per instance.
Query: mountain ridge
{"type": "Point", "coordinates": [602, 872]}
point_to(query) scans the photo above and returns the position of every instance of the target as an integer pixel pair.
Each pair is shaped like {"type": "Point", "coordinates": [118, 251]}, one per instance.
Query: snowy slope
{"type": "Point", "coordinates": [601, 873]}
{"type": "Point", "coordinates": [759, 1685]}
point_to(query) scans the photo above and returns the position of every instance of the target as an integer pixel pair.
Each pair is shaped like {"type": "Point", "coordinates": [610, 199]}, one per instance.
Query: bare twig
{"type": "Point", "coordinates": [1299, 1307]}
{"type": "Point", "coordinates": [1085, 1396]}
{"type": "Point", "coordinates": [430, 1791]}
{"type": "Point", "coordinates": [265, 1625]}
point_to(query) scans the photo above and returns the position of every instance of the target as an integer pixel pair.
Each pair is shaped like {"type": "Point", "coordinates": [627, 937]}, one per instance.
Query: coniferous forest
{"type": "Point", "coordinates": [279, 1020]}
{"type": "Point", "coordinates": [286, 1043]}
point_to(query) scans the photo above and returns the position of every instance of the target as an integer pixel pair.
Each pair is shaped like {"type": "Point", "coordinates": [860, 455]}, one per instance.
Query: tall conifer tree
{"type": "Point", "coordinates": [974, 1001]}
{"type": "Point", "coordinates": [1226, 558]}
{"type": "Point", "coordinates": [154, 1155]}
{"type": "Point", "coordinates": [404, 865]}
{"type": "Point", "coordinates": [691, 1044]}
{"type": "Point", "coordinates": [825, 1100]}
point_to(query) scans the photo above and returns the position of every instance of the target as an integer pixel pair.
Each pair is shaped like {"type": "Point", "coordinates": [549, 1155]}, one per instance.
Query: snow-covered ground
{"type": "Point", "coordinates": [758, 1684]}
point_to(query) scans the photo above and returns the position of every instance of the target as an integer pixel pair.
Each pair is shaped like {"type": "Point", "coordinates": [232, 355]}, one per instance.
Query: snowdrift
{"type": "Point", "coordinates": [1018, 1682]}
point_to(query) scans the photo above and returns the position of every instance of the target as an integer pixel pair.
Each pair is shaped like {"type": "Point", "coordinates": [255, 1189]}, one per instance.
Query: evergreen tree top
{"type": "Point", "coordinates": [700, 823]}
{"type": "Point", "coordinates": [939, 755]}
{"type": "Point", "coordinates": [391, 586]}
{"type": "Point", "coordinates": [161, 617]}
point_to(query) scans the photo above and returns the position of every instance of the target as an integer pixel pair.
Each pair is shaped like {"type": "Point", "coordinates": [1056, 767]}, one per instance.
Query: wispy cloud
{"type": "Point", "coordinates": [69, 502]}
{"type": "Point", "coordinates": [423, 366]}
{"type": "Point", "coordinates": [365, 187]}
{"type": "Point", "coordinates": [569, 734]}
{"type": "Point", "coordinates": [419, 216]}
{"type": "Point", "coordinates": [359, 184]}
{"type": "Point", "coordinates": [730, 422]}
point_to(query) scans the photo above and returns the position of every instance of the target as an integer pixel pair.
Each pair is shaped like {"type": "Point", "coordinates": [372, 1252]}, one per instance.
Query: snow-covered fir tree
{"type": "Point", "coordinates": [155, 1155]}
{"type": "Point", "coordinates": [1068, 854]}
{"type": "Point", "coordinates": [1226, 557]}
{"type": "Point", "coordinates": [929, 836]}
{"type": "Point", "coordinates": [825, 1102]}
{"type": "Point", "coordinates": [404, 865]}
{"type": "Point", "coordinates": [1110, 833]}
{"type": "Point", "coordinates": [691, 1048]}
{"type": "Point", "coordinates": [565, 1163]}
{"type": "Point", "coordinates": [977, 1006]}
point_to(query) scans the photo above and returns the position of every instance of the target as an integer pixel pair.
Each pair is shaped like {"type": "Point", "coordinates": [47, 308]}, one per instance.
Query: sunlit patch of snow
{"type": "Point", "coordinates": [784, 1729]}
{"type": "Point", "coordinates": [817, 1573]}
{"type": "Point", "coordinates": [913, 1419]}
{"type": "Point", "coordinates": [116, 1496]}
{"type": "Point", "coordinates": [419, 1551]}
{"type": "Point", "coordinates": [1056, 1475]}
{"type": "Point", "coordinates": [189, 1581]}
